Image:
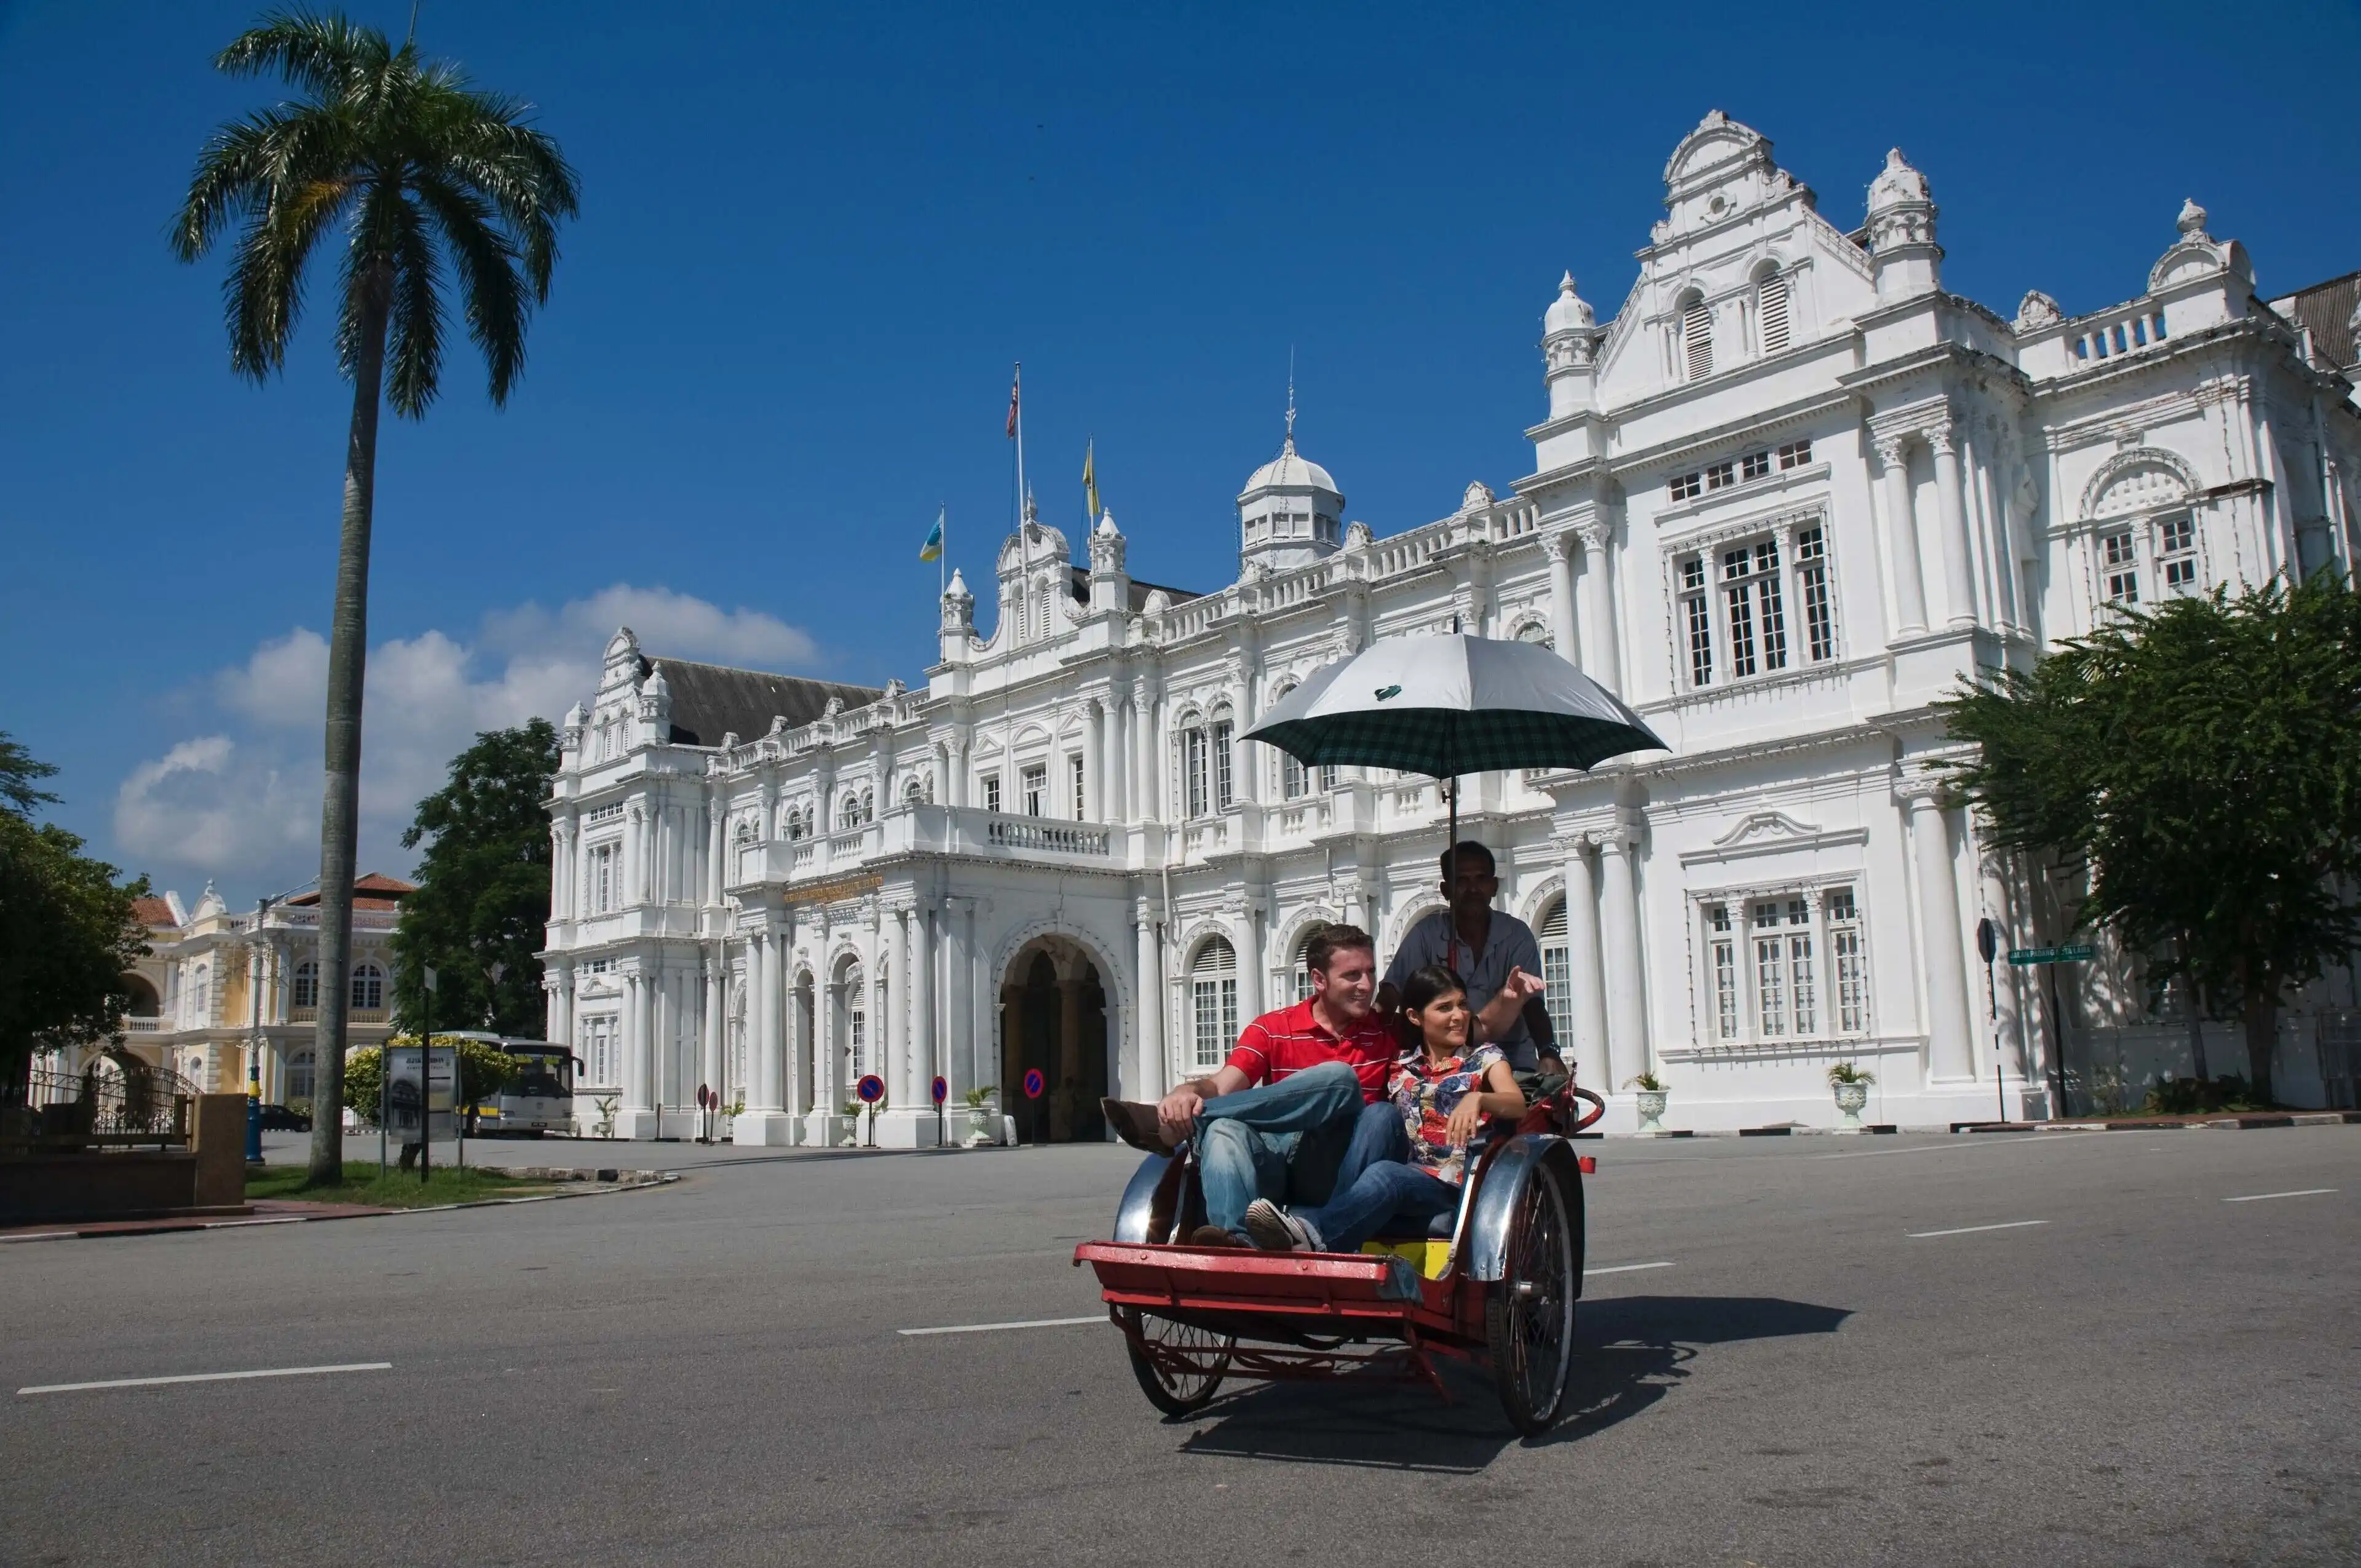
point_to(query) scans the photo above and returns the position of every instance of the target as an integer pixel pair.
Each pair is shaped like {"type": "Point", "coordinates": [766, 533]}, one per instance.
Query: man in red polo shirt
{"type": "Point", "coordinates": [1299, 1110]}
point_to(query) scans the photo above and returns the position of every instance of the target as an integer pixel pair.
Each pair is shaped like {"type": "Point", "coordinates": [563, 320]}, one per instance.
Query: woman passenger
{"type": "Point", "coordinates": [1444, 1090]}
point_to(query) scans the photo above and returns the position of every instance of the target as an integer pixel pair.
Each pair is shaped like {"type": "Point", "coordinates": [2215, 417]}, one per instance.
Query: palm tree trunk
{"type": "Point", "coordinates": [340, 801]}
{"type": "Point", "coordinates": [2262, 1034]}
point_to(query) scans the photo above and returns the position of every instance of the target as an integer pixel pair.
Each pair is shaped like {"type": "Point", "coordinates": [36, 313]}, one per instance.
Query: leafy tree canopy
{"type": "Point", "coordinates": [68, 935]}
{"type": "Point", "coordinates": [2198, 767]}
{"type": "Point", "coordinates": [484, 1069]}
{"type": "Point", "coordinates": [483, 895]}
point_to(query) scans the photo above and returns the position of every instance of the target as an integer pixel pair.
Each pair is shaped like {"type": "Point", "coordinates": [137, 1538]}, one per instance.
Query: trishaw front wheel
{"type": "Point", "coordinates": [1529, 1315]}
{"type": "Point", "coordinates": [1179, 1367]}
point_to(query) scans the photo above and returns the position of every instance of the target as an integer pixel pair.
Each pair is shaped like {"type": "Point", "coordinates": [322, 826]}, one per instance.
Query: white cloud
{"type": "Point", "coordinates": [242, 801]}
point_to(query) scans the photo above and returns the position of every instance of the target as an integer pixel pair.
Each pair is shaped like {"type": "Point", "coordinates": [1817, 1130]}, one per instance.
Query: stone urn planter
{"type": "Point", "coordinates": [1851, 1086]}
{"type": "Point", "coordinates": [983, 1125]}
{"type": "Point", "coordinates": [1650, 1101]}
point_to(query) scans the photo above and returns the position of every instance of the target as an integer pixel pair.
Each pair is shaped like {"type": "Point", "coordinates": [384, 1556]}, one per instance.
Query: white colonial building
{"type": "Point", "coordinates": [1790, 496]}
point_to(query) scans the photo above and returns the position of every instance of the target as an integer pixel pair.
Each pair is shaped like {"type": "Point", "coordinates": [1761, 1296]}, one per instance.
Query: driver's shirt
{"type": "Point", "coordinates": [1291, 1039]}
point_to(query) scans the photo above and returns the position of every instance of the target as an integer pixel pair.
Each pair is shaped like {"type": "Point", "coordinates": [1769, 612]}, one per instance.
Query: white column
{"type": "Point", "coordinates": [1559, 548]}
{"type": "Point", "coordinates": [958, 1056]}
{"type": "Point", "coordinates": [893, 1028]}
{"type": "Point", "coordinates": [1602, 660]}
{"type": "Point", "coordinates": [1148, 1010]}
{"type": "Point", "coordinates": [1902, 527]}
{"type": "Point", "coordinates": [635, 1041]}
{"type": "Point", "coordinates": [560, 980]}
{"type": "Point", "coordinates": [561, 881]}
{"type": "Point", "coordinates": [1148, 786]}
{"type": "Point", "coordinates": [1626, 980]}
{"type": "Point", "coordinates": [922, 1058]}
{"type": "Point", "coordinates": [1118, 804]}
{"type": "Point", "coordinates": [1250, 1004]}
{"type": "Point", "coordinates": [1950, 1053]}
{"type": "Point", "coordinates": [1093, 803]}
{"type": "Point", "coordinates": [1951, 507]}
{"type": "Point", "coordinates": [1586, 1052]}
{"type": "Point", "coordinates": [766, 973]}
{"type": "Point", "coordinates": [714, 990]}
{"type": "Point", "coordinates": [714, 813]}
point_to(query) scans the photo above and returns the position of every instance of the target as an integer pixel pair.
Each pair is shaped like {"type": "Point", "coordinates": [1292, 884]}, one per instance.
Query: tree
{"type": "Point", "coordinates": [484, 1069]}
{"type": "Point", "coordinates": [2198, 767]}
{"type": "Point", "coordinates": [68, 933]}
{"type": "Point", "coordinates": [422, 176]}
{"type": "Point", "coordinates": [483, 894]}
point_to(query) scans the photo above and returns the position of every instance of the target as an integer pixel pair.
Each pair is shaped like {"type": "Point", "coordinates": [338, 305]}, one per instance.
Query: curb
{"type": "Point", "coordinates": [588, 1187]}
{"type": "Point", "coordinates": [2159, 1124]}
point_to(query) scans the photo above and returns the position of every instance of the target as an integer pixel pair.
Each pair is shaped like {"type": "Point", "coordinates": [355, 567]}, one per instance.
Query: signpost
{"type": "Point", "coordinates": [871, 1088]}
{"type": "Point", "coordinates": [2080, 953]}
{"type": "Point", "coordinates": [1987, 945]}
{"type": "Point", "coordinates": [941, 1092]}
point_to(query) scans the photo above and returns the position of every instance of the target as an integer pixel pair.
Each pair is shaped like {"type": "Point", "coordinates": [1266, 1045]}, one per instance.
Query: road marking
{"type": "Point", "coordinates": [2299, 1192]}
{"type": "Point", "coordinates": [1971, 1230]}
{"type": "Point", "coordinates": [207, 1378]}
{"type": "Point", "coordinates": [1946, 1148]}
{"type": "Point", "coordinates": [1624, 1269]}
{"type": "Point", "coordinates": [988, 1328]}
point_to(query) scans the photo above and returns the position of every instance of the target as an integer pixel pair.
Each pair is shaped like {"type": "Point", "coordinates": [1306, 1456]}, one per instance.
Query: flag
{"type": "Point", "coordinates": [1014, 382]}
{"type": "Point", "coordinates": [1091, 482]}
{"type": "Point", "coordinates": [932, 550]}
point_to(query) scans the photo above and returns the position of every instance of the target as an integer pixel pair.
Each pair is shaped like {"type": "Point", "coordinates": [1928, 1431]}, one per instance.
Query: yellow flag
{"type": "Point", "coordinates": [1090, 480]}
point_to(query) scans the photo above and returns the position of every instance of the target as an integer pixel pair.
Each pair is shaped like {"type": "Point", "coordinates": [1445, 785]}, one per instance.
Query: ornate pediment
{"type": "Point", "coordinates": [1773, 832]}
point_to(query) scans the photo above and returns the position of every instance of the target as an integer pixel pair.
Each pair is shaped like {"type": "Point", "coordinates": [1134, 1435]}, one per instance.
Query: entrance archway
{"type": "Point", "coordinates": [1053, 1019]}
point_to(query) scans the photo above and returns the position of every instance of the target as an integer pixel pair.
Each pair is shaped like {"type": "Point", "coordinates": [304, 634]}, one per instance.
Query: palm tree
{"type": "Point", "coordinates": [422, 177]}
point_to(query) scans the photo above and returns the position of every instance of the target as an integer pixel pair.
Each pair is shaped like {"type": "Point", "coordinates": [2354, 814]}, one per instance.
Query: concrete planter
{"type": "Point", "coordinates": [1649, 1102]}
{"type": "Point", "coordinates": [1851, 1098]}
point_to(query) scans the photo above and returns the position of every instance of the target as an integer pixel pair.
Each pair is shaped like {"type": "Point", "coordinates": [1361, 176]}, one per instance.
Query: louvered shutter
{"type": "Point", "coordinates": [1773, 306]}
{"type": "Point", "coordinates": [1696, 339]}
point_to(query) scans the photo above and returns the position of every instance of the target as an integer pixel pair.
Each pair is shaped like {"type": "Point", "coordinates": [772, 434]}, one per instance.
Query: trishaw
{"type": "Point", "coordinates": [1496, 1278]}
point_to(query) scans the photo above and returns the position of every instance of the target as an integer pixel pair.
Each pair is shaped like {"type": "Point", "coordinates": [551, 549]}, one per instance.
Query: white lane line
{"type": "Point", "coordinates": [2299, 1192]}
{"type": "Point", "coordinates": [989, 1328]}
{"type": "Point", "coordinates": [1624, 1269]}
{"type": "Point", "coordinates": [1949, 1148]}
{"type": "Point", "coordinates": [207, 1378]}
{"type": "Point", "coordinates": [1971, 1230]}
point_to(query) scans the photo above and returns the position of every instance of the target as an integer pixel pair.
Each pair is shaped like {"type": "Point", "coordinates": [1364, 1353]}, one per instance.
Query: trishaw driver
{"type": "Point", "coordinates": [1298, 1111]}
{"type": "Point", "coordinates": [1493, 953]}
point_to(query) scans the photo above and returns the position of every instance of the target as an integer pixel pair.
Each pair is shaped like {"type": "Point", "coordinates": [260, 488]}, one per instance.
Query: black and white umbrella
{"type": "Point", "coordinates": [1445, 706]}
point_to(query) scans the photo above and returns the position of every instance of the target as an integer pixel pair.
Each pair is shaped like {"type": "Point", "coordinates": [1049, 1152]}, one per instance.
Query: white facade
{"type": "Point", "coordinates": [1789, 497]}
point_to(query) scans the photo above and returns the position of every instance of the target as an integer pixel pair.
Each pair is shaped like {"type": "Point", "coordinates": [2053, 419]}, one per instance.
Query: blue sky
{"type": "Point", "coordinates": [812, 242]}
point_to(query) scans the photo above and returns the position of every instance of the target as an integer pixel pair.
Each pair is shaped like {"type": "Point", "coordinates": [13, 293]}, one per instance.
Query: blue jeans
{"type": "Point", "coordinates": [1387, 1190]}
{"type": "Point", "coordinates": [1260, 1142]}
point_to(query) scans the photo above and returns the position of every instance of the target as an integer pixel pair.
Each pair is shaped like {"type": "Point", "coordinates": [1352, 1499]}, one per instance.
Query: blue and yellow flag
{"type": "Point", "coordinates": [932, 550]}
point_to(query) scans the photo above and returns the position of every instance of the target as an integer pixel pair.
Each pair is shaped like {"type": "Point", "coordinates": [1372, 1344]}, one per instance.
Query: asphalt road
{"type": "Point", "coordinates": [710, 1373]}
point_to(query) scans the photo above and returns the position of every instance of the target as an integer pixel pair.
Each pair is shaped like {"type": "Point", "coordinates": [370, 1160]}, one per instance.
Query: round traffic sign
{"type": "Point", "coordinates": [871, 1089]}
{"type": "Point", "coordinates": [1033, 1083]}
{"type": "Point", "coordinates": [942, 1089]}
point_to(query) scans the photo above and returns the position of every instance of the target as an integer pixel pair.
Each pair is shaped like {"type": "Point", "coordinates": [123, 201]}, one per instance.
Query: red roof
{"type": "Point", "coordinates": [152, 912]}
{"type": "Point", "coordinates": [372, 890]}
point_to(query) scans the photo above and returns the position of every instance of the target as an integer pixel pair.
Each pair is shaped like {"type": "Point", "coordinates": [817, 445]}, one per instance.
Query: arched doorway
{"type": "Point", "coordinates": [1053, 1019]}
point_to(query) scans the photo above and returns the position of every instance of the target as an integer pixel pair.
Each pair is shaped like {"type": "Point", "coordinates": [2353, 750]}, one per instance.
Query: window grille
{"type": "Point", "coordinates": [369, 986]}
{"type": "Point", "coordinates": [1812, 583]}
{"type": "Point", "coordinates": [2175, 548]}
{"type": "Point", "coordinates": [1754, 465]}
{"type": "Point", "coordinates": [1770, 974]}
{"type": "Point", "coordinates": [1074, 769]}
{"type": "Point", "coordinates": [1771, 303]}
{"type": "Point", "coordinates": [1292, 784]}
{"type": "Point", "coordinates": [1725, 973]}
{"type": "Point", "coordinates": [1557, 976]}
{"type": "Point", "coordinates": [307, 984]}
{"type": "Point", "coordinates": [1213, 1001]}
{"type": "Point", "coordinates": [1327, 775]}
{"type": "Point", "coordinates": [1696, 339]}
{"type": "Point", "coordinates": [1220, 741]}
{"type": "Point", "coordinates": [1852, 973]}
{"type": "Point", "coordinates": [856, 1021]}
{"type": "Point", "coordinates": [1193, 771]}
{"type": "Point", "coordinates": [1700, 621]}
{"type": "Point", "coordinates": [1688, 486]}
{"type": "Point", "coordinates": [1795, 454]}
{"type": "Point", "coordinates": [1800, 974]}
{"type": "Point", "coordinates": [2122, 568]}
{"type": "Point", "coordinates": [991, 792]}
{"type": "Point", "coordinates": [1035, 789]}
{"type": "Point", "coordinates": [298, 1076]}
{"type": "Point", "coordinates": [1721, 476]}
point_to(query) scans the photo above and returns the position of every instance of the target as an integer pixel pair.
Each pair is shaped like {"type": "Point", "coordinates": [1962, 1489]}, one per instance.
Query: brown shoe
{"type": "Point", "coordinates": [1135, 1124]}
{"type": "Point", "coordinates": [1212, 1236]}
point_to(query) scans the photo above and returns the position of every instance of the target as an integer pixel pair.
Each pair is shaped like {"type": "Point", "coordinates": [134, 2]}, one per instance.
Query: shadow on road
{"type": "Point", "coordinates": [1635, 1350]}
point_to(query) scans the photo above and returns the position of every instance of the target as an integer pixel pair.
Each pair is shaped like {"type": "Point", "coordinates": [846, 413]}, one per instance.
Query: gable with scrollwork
{"type": "Point", "coordinates": [2143, 479]}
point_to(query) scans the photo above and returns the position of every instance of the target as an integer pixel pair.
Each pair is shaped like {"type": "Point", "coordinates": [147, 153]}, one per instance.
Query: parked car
{"type": "Point", "coordinates": [279, 1119]}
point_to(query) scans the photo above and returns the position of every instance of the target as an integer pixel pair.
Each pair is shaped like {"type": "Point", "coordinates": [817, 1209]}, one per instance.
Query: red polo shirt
{"type": "Point", "coordinates": [1291, 1039]}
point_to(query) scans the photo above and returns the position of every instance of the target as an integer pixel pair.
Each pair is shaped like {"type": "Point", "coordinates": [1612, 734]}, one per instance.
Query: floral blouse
{"type": "Point", "coordinates": [1425, 1094]}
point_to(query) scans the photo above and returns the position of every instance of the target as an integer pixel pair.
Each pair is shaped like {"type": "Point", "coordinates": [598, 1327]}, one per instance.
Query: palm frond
{"type": "Point", "coordinates": [415, 343]}
{"type": "Point", "coordinates": [327, 55]}
{"type": "Point", "coordinates": [486, 262]}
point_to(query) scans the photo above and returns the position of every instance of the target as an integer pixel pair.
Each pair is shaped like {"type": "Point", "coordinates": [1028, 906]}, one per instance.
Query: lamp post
{"type": "Point", "coordinates": [254, 1042]}
{"type": "Point", "coordinates": [426, 1069]}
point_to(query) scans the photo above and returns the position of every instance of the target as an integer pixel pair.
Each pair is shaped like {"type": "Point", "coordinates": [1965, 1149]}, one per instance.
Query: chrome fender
{"type": "Point", "coordinates": [1138, 1197]}
{"type": "Point", "coordinates": [1530, 1157]}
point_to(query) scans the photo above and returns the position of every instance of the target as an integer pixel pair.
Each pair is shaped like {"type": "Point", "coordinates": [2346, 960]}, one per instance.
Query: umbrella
{"type": "Point", "coordinates": [1447, 705]}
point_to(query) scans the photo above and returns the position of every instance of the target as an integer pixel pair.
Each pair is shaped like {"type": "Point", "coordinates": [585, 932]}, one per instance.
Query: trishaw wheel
{"type": "Point", "coordinates": [1187, 1369]}
{"type": "Point", "coordinates": [1529, 1315]}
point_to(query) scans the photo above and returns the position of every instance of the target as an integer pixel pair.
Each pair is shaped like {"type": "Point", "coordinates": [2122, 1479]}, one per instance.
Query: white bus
{"type": "Point", "coordinates": [541, 1098]}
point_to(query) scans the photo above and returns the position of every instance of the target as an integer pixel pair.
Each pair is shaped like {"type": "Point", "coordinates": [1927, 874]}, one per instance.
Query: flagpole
{"type": "Point", "coordinates": [1020, 443]}
{"type": "Point", "coordinates": [944, 548]}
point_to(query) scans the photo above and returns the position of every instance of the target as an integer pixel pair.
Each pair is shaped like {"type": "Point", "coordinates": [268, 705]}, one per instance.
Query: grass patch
{"type": "Point", "coordinates": [397, 1190]}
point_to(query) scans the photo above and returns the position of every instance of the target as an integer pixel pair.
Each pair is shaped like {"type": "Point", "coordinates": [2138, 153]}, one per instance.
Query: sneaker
{"type": "Point", "coordinates": [1273, 1229]}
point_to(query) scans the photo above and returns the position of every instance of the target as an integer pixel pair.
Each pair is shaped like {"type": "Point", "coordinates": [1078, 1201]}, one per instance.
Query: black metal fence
{"type": "Point", "coordinates": [114, 1103]}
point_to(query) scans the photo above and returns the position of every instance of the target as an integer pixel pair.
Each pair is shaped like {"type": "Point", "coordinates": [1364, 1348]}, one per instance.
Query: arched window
{"type": "Point", "coordinates": [307, 985]}
{"type": "Point", "coordinates": [745, 834]}
{"type": "Point", "coordinates": [199, 993]}
{"type": "Point", "coordinates": [1196, 771]}
{"type": "Point", "coordinates": [856, 1021]}
{"type": "Point", "coordinates": [848, 811]}
{"type": "Point", "coordinates": [1770, 312]}
{"type": "Point", "coordinates": [369, 986]}
{"type": "Point", "coordinates": [1292, 782]}
{"type": "Point", "coordinates": [868, 805]}
{"type": "Point", "coordinates": [1696, 330]}
{"type": "Point", "coordinates": [1213, 1001]}
{"type": "Point", "coordinates": [1300, 970]}
{"type": "Point", "coordinates": [1534, 632]}
{"type": "Point", "coordinates": [914, 790]}
{"type": "Point", "coordinates": [299, 1075]}
{"type": "Point", "coordinates": [143, 996]}
{"type": "Point", "coordinates": [1557, 976]}
{"type": "Point", "coordinates": [1223, 754]}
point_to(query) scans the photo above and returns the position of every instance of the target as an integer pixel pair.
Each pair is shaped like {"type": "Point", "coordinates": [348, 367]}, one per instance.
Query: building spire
{"type": "Point", "coordinates": [1289, 443]}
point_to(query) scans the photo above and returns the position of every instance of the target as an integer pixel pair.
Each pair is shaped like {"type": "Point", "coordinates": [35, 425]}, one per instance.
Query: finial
{"type": "Point", "coordinates": [1290, 397]}
{"type": "Point", "coordinates": [2192, 220]}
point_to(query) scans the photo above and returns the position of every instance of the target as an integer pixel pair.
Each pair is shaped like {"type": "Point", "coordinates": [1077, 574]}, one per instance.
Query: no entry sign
{"type": "Point", "coordinates": [1033, 1083]}
{"type": "Point", "coordinates": [871, 1089]}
